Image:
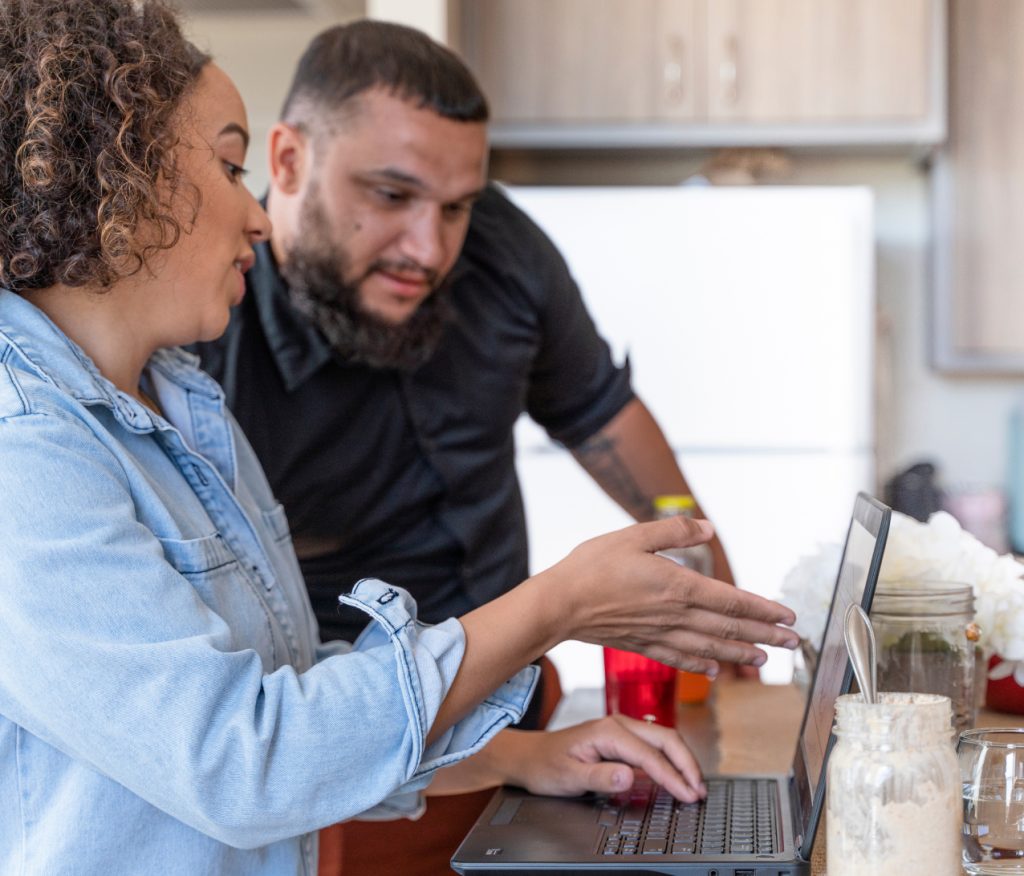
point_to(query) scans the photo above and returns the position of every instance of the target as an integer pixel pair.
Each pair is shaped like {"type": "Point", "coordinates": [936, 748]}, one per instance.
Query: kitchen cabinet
{"type": "Point", "coordinates": [978, 180]}
{"type": "Point", "coordinates": [707, 72]}
{"type": "Point", "coordinates": [573, 61]}
{"type": "Point", "coordinates": [819, 60]}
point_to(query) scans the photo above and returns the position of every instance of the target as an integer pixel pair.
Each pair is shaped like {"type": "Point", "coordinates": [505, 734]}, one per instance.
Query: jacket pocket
{"type": "Point", "coordinates": [209, 565]}
{"type": "Point", "coordinates": [192, 556]}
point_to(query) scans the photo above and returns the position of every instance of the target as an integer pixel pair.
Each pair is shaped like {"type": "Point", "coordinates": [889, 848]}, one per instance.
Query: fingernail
{"type": "Point", "coordinates": [712, 673]}
{"type": "Point", "coordinates": [760, 659]}
{"type": "Point", "coordinates": [793, 644]}
{"type": "Point", "coordinates": [620, 779]}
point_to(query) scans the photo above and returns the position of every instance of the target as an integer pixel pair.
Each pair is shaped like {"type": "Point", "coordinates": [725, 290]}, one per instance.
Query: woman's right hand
{"type": "Point", "coordinates": [614, 590]}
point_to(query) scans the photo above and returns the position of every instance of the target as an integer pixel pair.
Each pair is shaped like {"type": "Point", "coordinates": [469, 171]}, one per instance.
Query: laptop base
{"type": "Point", "coordinates": [520, 833]}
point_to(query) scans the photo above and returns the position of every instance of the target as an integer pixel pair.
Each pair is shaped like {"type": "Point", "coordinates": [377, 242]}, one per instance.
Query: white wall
{"type": "Point", "coordinates": [430, 16]}
{"type": "Point", "coordinates": [259, 51]}
{"type": "Point", "coordinates": [959, 422]}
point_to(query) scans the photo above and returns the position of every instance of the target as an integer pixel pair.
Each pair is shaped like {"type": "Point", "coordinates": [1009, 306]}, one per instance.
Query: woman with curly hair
{"type": "Point", "coordinates": [165, 705]}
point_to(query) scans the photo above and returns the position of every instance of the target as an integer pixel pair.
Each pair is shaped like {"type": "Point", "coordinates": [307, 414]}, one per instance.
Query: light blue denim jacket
{"type": "Point", "coordinates": [165, 703]}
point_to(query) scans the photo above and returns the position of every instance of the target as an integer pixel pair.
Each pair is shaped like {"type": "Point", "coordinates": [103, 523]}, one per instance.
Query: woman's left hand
{"type": "Point", "coordinates": [598, 755]}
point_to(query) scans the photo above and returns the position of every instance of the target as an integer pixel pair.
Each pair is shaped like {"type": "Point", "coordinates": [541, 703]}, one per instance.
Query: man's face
{"type": "Point", "coordinates": [393, 187]}
{"type": "Point", "coordinates": [382, 216]}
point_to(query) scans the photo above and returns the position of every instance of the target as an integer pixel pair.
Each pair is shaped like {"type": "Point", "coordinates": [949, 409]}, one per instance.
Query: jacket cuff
{"type": "Point", "coordinates": [428, 659]}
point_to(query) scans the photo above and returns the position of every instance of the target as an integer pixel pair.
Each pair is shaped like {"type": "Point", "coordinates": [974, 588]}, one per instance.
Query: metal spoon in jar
{"type": "Point", "coordinates": [860, 644]}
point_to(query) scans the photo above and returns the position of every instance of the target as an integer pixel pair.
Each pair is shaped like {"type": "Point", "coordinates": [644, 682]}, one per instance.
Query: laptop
{"type": "Point", "coordinates": [749, 825]}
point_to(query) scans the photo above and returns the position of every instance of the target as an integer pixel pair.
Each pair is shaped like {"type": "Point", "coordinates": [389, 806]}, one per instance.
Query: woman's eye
{"type": "Point", "coordinates": [235, 171]}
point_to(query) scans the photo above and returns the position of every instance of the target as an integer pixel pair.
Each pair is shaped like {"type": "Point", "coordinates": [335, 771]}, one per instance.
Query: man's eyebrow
{"type": "Point", "coordinates": [235, 128]}
{"type": "Point", "coordinates": [400, 176]}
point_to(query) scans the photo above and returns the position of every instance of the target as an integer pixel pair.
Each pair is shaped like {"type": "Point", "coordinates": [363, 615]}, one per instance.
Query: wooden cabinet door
{"type": "Point", "coordinates": [585, 61]}
{"type": "Point", "coordinates": [831, 61]}
{"type": "Point", "coordinates": [979, 194]}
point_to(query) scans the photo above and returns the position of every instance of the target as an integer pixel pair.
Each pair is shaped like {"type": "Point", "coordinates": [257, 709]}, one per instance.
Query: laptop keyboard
{"type": "Point", "coordinates": [739, 816]}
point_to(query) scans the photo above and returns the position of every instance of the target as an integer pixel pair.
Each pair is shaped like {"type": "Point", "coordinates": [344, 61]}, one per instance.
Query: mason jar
{"type": "Point", "coordinates": [927, 641]}
{"type": "Point", "coordinates": [893, 787]}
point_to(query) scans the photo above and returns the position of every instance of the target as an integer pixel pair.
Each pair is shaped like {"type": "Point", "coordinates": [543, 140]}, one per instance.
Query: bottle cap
{"type": "Point", "coordinates": [674, 503]}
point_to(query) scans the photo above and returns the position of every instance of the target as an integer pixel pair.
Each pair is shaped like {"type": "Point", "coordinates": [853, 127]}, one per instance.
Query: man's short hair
{"type": "Point", "coordinates": [344, 61]}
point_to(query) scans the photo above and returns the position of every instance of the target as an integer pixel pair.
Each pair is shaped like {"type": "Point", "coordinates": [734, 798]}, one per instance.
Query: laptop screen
{"type": "Point", "coordinates": [855, 583]}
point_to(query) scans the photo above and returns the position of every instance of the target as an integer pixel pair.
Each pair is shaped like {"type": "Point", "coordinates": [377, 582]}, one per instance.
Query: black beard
{"type": "Point", "coordinates": [315, 272]}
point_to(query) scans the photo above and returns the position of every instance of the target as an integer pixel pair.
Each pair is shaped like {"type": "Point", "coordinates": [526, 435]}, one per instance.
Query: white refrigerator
{"type": "Point", "coordinates": [747, 314]}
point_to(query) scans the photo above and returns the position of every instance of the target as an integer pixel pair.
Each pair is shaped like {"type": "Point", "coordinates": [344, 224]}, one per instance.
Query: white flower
{"type": "Point", "coordinates": [807, 589]}
{"type": "Point", "coordinates": [938, 550]}
{"type": "Point", "coordinates": [1006, 669]}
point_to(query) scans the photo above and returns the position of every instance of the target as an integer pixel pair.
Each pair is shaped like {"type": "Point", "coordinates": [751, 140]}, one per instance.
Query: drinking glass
{"type": "Point", "coordinates": [639, 687]}
{"type": "Point", "coordinates": [992, 773]}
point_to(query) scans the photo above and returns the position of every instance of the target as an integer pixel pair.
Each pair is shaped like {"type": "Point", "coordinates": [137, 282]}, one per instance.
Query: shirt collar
{"type": "Point", "coordinates": [298, 347]}
{"type": "Point", "coordinates": [59, 360]}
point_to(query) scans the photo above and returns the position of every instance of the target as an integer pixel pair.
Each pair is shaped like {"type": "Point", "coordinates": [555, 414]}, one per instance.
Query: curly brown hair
{"type": "Point", "coordinates": [88, 89]}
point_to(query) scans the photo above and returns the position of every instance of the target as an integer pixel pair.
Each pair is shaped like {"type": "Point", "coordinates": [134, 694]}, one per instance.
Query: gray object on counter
{"type": "Point", "coordinates": [859, 636]}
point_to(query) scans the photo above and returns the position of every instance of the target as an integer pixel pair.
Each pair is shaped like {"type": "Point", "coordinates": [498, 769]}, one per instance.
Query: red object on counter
{"type": "Point", "coordinates": [639, 687]}
{"type": "Point", "coordinates": [1004, 694]}
{"type": "Point", "coordinates": [692, 687]}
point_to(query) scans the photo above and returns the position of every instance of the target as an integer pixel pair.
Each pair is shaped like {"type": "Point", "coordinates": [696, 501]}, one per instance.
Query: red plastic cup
{"type": "Point", "coordinates": [639, 687]}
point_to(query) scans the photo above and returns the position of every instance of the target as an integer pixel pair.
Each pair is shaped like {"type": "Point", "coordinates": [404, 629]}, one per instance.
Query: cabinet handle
{"type": "Point", "coordinates": [672, 72]}
{"type": "Point", "coordinates": [729, 71]}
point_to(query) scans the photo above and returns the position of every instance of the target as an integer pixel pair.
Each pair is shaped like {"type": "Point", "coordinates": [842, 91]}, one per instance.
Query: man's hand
{"type": "Point", "coordinates": [597, 755]}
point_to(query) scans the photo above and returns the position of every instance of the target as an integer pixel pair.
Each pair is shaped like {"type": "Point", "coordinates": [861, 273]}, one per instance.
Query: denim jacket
{"type": "Point", "coordinates": [165, 703]}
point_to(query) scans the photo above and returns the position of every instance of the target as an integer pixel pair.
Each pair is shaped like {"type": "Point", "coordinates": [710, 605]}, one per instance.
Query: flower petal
{"type": "Point", "coordinates": [1003, 670]}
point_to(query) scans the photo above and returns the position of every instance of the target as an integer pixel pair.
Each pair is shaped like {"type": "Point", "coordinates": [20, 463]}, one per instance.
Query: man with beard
{"type": "Point", "coordinates": [402, 317]}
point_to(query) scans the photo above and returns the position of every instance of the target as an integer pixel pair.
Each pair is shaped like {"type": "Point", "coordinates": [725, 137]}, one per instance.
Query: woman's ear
{"type": "Point", "coordinates": [288, 153]}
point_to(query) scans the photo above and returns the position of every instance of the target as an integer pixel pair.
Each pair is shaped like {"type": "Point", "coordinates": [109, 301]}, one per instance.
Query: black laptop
{"type": "Point", "coordinates": [749, 825]}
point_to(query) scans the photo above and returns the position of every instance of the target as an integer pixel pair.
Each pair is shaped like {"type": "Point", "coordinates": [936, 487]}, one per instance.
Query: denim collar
{"type": "Point", "coordinates": [55, 358]}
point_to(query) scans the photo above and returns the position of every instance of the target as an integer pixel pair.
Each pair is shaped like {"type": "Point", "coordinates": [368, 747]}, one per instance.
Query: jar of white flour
{"type": "Point", "coordinates": [893, 788]}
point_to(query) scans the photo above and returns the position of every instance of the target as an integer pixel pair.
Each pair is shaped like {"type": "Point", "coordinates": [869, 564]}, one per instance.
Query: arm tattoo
{"type": "Point", "coordinates": [601, 460]}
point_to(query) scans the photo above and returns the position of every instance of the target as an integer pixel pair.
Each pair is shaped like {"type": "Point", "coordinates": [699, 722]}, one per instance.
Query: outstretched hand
{"type": "Point", "coordinates": [615, 590]}
{"type": "Point", "coordinates": [619, 593]}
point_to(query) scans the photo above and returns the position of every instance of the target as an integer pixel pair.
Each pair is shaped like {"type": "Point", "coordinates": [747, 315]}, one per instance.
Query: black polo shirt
{"type": "Point", "coordinates": [414, 473]}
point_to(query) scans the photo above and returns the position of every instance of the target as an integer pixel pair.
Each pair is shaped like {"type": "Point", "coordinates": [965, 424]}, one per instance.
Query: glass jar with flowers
{"type": "Point", "coordinates": [922, 557]}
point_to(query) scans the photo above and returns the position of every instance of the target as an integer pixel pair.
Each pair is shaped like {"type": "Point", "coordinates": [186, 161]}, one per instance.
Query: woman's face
{"type": "Point", "coordinates": [200, 278]}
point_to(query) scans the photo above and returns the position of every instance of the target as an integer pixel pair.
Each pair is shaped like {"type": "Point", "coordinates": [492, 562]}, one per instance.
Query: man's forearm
{"type": "Point", "coordinates": [631, 460]}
